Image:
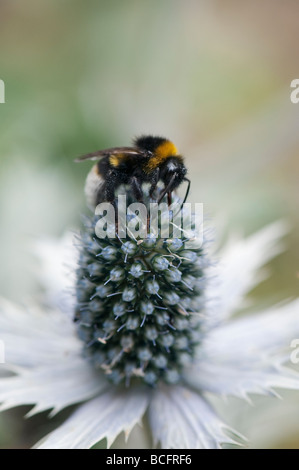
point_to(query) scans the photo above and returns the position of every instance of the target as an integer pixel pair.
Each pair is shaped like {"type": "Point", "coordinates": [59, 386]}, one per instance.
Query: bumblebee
{"type": "Point", "coordinates": [150, 160]}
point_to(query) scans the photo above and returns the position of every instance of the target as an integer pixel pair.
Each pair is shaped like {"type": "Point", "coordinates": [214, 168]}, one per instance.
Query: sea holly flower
{"type": "Point", "coordinates": [154, 336]}
{"type": "Point", "coordinates": [137, 308]}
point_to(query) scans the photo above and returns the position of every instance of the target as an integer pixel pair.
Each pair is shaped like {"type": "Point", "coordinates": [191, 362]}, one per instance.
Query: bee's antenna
{"type": "Point", "coordinates": [187, 192]}
{"type": "Point", "coordinates": [186, 195]}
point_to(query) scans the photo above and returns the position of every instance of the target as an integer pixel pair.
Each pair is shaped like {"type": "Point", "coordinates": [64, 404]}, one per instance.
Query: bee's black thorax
{"type": "Point", "coordinates": [149, 143]}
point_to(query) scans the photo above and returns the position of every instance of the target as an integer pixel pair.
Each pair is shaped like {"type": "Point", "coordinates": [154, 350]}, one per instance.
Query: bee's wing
{"type": "Point", "coordinates": [113, 151]}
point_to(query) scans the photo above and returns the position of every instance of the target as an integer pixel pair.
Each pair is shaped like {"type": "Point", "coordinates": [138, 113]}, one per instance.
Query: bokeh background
{"type": "Point", "coordinates": [213, 75]}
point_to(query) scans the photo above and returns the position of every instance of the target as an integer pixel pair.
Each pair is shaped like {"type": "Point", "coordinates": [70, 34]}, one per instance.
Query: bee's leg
{"type": "Point", "coordinates": [154, 181]}
{"type": "Point", "coordinates": [109, 192]}
{"type": "Point", "coordinates": [169, 199]}
{"type": "Point", "coordinates": [137, 189]}
{"type": "Point", "coordinates": [138, 193]}
{"type": "Point", "coordinates": [167, 188]}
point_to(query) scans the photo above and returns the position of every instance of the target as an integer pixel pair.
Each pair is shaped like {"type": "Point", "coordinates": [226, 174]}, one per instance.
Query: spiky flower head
{"type": "Point", "coordinates": [137, 298]}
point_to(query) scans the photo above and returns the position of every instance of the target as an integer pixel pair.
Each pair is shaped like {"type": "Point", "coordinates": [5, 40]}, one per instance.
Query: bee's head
{"type": "Point", "coordinates": [173, 172]}
{"type": "Point", "coordinates": [165, 157]}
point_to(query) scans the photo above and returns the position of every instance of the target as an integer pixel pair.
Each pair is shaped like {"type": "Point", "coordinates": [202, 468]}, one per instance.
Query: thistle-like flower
{"type": "Point", "coordinates": [152, 337]}
{"type": "Point", "coordinates": [140, 303]}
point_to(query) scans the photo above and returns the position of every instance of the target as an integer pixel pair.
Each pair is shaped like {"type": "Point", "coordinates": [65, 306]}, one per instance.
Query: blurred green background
{"type": "Point", "coordinates": [214, 76]}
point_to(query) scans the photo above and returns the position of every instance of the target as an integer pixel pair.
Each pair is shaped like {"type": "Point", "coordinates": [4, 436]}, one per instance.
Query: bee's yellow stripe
{"type": "Point", "coordinates": [164, 150]}
{"type": "Point", "coordinates": [167, 149]}
{"type": "Point", "coordinates": [114, 160]}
